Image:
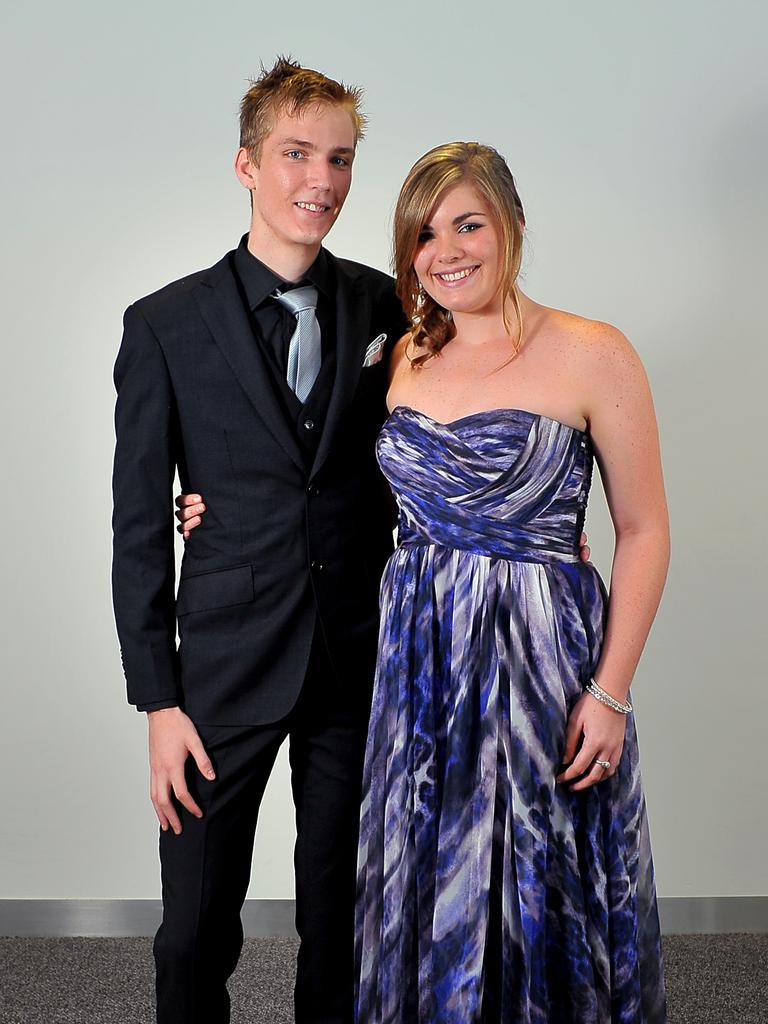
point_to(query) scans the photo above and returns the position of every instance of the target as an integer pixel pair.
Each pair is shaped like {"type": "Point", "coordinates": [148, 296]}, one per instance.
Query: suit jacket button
{"type": "Point", "coordinates": [309, 424]}
{"type": "Point", "coordinates": [317, 566]}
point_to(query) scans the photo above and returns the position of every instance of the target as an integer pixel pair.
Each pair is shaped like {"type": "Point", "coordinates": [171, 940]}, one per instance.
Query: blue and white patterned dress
{"type": "Point", "coordinates": [487, 892]}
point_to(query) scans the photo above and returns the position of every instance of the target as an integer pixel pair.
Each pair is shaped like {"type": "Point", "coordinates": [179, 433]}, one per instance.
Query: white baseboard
{"type": "Point", "coordinates": [114, 918]}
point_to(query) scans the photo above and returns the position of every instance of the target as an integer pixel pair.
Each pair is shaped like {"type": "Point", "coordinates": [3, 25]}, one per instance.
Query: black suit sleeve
{"type": "Point", "coordinates": [395, 317]}
{"type": "Point", "coordinates": [143, 553]}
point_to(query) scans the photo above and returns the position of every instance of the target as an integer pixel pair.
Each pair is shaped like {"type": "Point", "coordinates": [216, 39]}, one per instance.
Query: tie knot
{"type": "Point", "coordinates": [298, 299]}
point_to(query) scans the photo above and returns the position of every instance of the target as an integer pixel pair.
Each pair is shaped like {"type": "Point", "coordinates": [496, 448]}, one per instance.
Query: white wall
{"type": "Point", "coordinates": [637, 136]}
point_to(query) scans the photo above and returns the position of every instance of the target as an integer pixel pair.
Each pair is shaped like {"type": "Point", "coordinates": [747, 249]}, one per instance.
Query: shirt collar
{"type": "Point", "coordinates": [259, 281]}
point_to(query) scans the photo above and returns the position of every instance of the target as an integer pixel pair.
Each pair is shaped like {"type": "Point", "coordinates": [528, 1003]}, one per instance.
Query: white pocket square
{"type": "Point", "coordinates": [375, 351]}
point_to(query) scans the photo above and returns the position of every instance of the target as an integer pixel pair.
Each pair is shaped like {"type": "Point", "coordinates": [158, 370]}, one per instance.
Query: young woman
{"type": "Point", "coordinates": [505, 871]}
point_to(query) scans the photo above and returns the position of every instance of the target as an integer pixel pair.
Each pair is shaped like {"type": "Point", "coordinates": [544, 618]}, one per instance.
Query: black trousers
{"type": "Point", "coordinates": [206, 870]}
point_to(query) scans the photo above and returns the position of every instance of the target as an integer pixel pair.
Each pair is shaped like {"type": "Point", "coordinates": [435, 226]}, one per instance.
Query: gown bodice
{"type": "Point", "coordinates": [502, 482]}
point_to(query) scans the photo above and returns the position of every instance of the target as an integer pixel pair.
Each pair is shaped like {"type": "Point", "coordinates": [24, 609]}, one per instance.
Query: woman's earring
{"type": "Point", "coordinates": [418, 305]}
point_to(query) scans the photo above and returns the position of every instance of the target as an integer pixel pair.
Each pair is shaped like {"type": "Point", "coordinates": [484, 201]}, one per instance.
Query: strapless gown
{"type": "Point", "coordinates": [486, 891]}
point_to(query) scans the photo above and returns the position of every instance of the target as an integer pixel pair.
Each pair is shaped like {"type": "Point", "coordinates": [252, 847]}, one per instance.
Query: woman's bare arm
{"type": "Point", "coordinates": [622, 424]}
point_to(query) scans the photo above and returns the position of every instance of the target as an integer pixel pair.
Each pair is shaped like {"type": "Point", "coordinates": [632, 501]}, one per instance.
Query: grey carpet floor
{"type": "Point", "coordinates": [711, 979]}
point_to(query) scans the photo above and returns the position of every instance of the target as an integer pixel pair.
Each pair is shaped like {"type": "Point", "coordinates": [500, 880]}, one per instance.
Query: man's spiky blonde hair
{"type": "Point", "coordinates": [287, 86]}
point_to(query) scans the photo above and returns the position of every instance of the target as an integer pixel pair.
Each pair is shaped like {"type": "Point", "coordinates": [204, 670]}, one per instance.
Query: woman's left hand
{"type": "Point", "coordinates": [600, 731]}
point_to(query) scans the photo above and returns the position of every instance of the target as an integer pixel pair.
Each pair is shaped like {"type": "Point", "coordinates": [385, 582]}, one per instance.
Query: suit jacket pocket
{"type": "Point", "coordinates": [217, 589]}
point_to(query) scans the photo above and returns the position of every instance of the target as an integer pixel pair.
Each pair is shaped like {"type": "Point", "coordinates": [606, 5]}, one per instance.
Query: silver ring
{"type": "Point", "coordinates": [603, 764]}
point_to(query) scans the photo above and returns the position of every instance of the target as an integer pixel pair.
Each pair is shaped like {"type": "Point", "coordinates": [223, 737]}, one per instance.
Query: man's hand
{"type": "Point", "coordinates": [172, 738]}
{"type": "Point", "coordinates": [190, 513]}
{"type": "Point", "coordinates": [584, 550]}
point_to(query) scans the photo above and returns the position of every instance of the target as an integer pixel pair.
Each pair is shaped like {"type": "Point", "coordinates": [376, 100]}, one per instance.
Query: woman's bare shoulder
{"type": "Point", "coordinates": [595, 345]}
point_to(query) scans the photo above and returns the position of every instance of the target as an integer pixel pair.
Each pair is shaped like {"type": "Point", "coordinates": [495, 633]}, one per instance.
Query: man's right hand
{"type": "Point", "coordinates": [172, 738]}
{"type": "Point", "coordinates": [190, 513]}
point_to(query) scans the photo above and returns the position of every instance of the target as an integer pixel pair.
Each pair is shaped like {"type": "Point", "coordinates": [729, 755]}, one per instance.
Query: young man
{"type": "Point", "coordinates": [262, 379]}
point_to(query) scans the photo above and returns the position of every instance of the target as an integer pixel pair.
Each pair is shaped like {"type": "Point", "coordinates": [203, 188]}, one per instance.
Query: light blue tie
{"type": "Point", "coordinates": [304, 350]}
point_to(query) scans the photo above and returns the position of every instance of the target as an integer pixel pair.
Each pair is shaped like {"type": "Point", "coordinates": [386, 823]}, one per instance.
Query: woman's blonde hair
{"type": "Point", "coordinates": [427, 182]}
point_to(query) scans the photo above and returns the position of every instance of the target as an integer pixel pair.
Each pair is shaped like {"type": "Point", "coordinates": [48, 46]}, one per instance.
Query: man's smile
{"type": "Point", "coordinates": [312, 207]}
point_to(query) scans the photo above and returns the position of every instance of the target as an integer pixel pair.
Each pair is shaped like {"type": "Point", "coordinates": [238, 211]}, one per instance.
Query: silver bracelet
{"type": "Point", "coordinates": [605, 698]}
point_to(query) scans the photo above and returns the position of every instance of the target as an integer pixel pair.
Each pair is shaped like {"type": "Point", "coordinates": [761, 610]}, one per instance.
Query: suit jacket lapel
{"type": "Point", "coordinates": [352, 317]}
{"type": "Point", "coordinates": [221, 307]}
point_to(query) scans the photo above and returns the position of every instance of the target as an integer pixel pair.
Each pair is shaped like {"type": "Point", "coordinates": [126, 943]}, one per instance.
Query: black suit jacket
{"type": "Point", "coordinates": [282, 544]}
